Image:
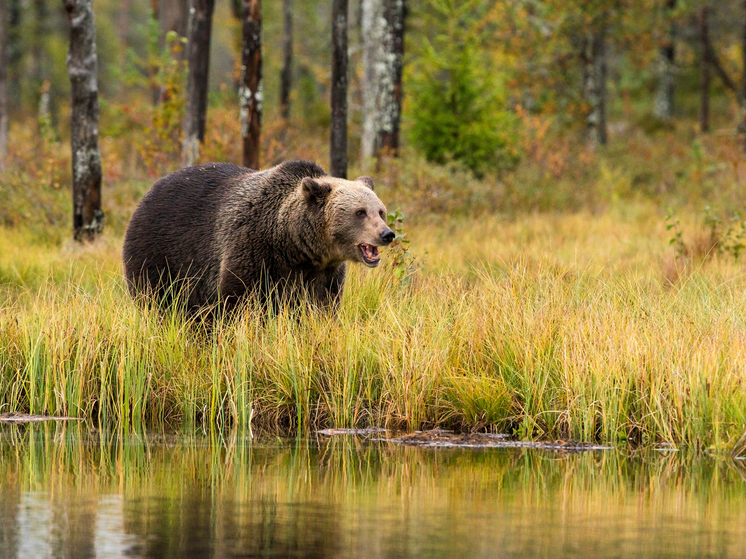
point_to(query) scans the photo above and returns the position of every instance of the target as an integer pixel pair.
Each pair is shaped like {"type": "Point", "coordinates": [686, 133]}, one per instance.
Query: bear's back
{"type": "Point", "coordinates": [173, 230]}
{"type": "Point", "coordinates": [195, 218]}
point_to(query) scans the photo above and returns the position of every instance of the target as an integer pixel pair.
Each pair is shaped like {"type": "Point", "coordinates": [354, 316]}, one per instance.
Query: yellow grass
{"type": "Point", "coordinates": [543, 325]}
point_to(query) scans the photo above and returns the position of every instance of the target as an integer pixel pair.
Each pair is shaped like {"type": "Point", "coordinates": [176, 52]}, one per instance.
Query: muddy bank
{"type": "Point", "coordinates": [442, 438]}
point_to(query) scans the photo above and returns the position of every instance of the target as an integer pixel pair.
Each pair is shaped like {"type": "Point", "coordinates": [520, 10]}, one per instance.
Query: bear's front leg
{"type": "Point", "coordinates": [327, 287]}
{"type": "Point", "coordinates": [233, 286]}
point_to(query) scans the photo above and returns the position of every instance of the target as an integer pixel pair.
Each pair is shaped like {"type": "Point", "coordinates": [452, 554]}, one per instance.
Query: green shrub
{"type": "Point", "coordinates": [458, 107]}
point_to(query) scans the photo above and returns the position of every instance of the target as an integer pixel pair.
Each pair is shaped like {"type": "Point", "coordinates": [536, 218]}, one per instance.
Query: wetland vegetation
{"type": "Point", "coordinates": [585, 324]}
{"type": "Point", "coordinates": [547, 287]}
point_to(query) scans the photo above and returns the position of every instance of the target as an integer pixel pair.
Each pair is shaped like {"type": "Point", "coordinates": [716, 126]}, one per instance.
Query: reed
{"type": "Point", "coordinates": [542, 326]}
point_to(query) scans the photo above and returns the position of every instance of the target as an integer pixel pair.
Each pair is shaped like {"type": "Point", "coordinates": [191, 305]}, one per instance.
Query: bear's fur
{"type": "Point", "coordinates": [217, 233]}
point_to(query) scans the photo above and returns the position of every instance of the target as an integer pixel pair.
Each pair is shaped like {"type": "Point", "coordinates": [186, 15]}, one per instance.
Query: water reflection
{"type": "Point", "coordinates": [69, 492]}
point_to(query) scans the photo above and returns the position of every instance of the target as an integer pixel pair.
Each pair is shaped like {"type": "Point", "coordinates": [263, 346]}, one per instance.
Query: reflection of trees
{"type": "Point", "coordinates": [10, 499]}
{"type": "Point", "coordinates": [224, 495]}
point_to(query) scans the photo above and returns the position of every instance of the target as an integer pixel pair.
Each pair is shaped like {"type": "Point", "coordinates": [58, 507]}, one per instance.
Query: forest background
{"type": "Point", "coordinates": [572, 175]}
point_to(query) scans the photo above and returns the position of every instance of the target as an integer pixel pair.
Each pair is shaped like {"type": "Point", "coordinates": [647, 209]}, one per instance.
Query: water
{"type": "Point", "coordinates": [66, 491]}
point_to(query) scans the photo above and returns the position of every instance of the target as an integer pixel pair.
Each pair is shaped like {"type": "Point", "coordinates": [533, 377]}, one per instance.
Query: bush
{"type": "Point", "coordinates": [458, 111]}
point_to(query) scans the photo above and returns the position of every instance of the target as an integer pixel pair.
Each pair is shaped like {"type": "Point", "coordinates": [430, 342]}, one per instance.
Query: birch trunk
{"type": "Point", "coordinates": [250, 93]}
{"type": "Point", "coordinates": [338, 143]}
{"type": "Point", "coordinates": [663, 107]}
{"type": "Point", "coordinates": [372, 30]}
{"type": "Point", "coordinates": [286, 78]}
{"type": "Point", "coordinates": [391, 92]}
{"type": "Point", "coordinates": [383, 49]}
{"type": "Point", "coordinates": [88, 219]}
{"type": "Point", "coordinates": [198, 56]}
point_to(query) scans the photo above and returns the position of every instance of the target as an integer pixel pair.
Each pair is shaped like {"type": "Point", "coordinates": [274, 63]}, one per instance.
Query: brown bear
{"type": "Point", "coordinates": [216, 233]}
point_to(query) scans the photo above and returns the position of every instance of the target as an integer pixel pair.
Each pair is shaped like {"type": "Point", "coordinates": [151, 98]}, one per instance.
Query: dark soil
{"type": "Point", "coordinates": [367, 431]}
{"type": "Point", "coordinates": [441, 438]}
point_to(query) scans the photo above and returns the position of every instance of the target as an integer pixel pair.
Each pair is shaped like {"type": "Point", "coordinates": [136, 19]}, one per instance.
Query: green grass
{"type": "Point", "coordinates": [545, 326]}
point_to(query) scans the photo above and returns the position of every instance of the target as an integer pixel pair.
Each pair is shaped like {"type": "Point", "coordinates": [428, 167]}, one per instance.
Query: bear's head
{"type": "Point", "coordinates": [354, 215]}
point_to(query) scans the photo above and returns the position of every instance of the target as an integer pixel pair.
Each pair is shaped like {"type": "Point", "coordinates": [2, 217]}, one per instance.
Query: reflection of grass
{"type": "Point", "coordinates": [226, 490]}
{"type": "Point", "coordinates": [549, 326]}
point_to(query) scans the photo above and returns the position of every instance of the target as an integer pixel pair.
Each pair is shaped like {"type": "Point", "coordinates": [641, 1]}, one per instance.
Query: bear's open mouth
{"type": "Point", "coordinates": [370, 254]}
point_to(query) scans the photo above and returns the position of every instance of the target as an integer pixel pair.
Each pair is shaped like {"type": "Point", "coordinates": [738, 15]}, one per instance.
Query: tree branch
{"type": "Point", "coordinates": [720, 71]}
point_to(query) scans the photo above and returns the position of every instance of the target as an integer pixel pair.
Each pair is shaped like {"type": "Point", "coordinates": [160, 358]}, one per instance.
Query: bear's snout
{"type": "Point", "coordinates": [387, 236]}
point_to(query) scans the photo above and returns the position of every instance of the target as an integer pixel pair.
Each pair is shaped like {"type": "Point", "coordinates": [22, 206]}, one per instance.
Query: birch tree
{"type": "Point", "coordinates": [383, 48]}
{"type": "Point", "coordinates": [372, 30]}
{"type": "Point", "coordinates": [391, 83]}
{"type": "Point", "coordinates": [82, 65]}
{"type": "Point", "coordinates": [250, 92]}
{"type": "Point", "coordinates": [198, 56]}
{"type": "Point", "coordinates": [338, 141]}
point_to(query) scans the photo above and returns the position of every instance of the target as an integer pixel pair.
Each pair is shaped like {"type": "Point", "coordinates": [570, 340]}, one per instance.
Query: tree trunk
{"type": "Point", "coordinates": [251, 82]}
{"type": "Point", "coordinates": [742, 126]}
{"type": "Point", "coordinates": [14, 52]}
{"type": "Point", "coordinates": [3, 84]}
{"type": "Point", "coordinates": [383, 48]}
{"type": "Point", "coordinates": [391, 94]}
{"type": "Point", "coordinates": [704, 112]}
{"type": "Point", "coordinates": [743, 53]}
{"type": "Point", "coordinates": [123, 26]}
{"type": "Point", "coordinates": [594, 85]}
{"type": "Point", "coordinates": [38, 71]}
{"type": "Point", "coordinates": [237, 8]}
{"type": "Point", "coordinates": [174, 16]}
{"type": "Point", "coordinates": [338, 144]}
{"type": "Point", "coordinates": [154, 47]}
{"type": "Point", "coordinates": [663, 107]}
{"type": "Point", "coordinates": [372, 32]}
{"type": "Point", "coordinates": [88, 219]}
{"type": "Point", "coordinates": [198, 56]}
{"type": "Point", "coordinates": [286, 78]}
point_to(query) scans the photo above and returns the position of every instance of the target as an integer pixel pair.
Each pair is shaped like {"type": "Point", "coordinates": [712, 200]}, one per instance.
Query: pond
{"type": "Point", "coordinates": [69, 491]}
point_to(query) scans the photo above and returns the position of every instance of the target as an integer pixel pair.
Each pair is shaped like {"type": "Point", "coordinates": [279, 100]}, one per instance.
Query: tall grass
{"type": "Point", "coordinates": [535, 326]}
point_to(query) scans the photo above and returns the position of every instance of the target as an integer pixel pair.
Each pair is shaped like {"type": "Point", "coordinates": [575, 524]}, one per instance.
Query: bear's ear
{"type": "Point", "coordinates": [314, 190]}
{"type": "Point", "coordinates": [367, 181]}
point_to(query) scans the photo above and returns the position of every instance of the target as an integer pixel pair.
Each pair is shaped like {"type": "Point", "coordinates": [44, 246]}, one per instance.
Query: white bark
{"type": "Point", "coordinates": [373, 24]}
{"type": "Point", "coordinates": [663, 106]}
{"type": "Point", "coordinates": [382, 22]}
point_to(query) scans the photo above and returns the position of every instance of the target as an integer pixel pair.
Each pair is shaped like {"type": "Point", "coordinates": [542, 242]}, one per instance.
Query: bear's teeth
{"type": "Point", "coordinates": [369, 252]}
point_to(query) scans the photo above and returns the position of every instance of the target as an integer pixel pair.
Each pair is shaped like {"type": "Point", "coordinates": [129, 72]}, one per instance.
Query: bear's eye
{"type": "Point", "coordinates": [360, 213]}
{"type": "Point", "coordinates": [382, 214]}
